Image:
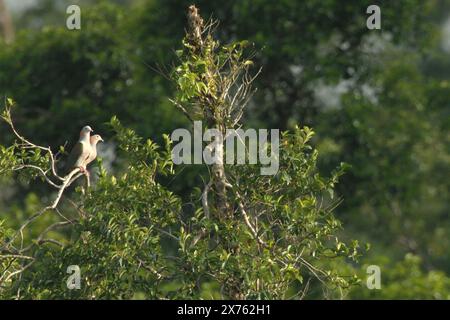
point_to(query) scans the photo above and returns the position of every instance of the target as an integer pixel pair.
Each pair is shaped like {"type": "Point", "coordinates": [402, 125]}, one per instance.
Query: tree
{"type": "Point", "coordinates": [245, 234]}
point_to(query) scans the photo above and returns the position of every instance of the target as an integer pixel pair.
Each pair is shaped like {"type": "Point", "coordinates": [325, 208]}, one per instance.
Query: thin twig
{"type": "Point", "coordinates": [42, 172]}
{"type": "Point", "coordinates": [182, 109]}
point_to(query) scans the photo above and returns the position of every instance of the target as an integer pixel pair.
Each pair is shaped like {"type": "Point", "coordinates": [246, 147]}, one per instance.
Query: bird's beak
{"type": "Point", "coordinates": [102, 140]}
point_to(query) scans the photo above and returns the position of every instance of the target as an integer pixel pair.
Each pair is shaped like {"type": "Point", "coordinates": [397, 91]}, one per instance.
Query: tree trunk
{"type": "Point", "coordinates": [6, 23]}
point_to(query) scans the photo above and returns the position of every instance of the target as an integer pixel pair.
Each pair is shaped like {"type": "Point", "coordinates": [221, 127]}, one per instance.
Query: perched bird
{"type": "Point", "coordinates": [94, 140]}
{"type": "Point", "coordinates": [81, 151]}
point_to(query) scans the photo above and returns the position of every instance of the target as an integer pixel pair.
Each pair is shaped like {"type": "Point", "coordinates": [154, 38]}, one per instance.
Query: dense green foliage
{"type": "Point", "coordinates": [116, 236]}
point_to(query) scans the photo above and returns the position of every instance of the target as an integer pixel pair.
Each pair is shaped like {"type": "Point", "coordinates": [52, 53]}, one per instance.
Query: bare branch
{"type": "Point", "coordinates": [17, 272]}
{"type": "Point", "coordinates": [247, 220]}
{"type": "Point", "coordinates": [42, 241]}
{"type": "Point", "coordinates": [41, 171]}
{"type": "Point", "coordinates": [28, 144]}
{"type": "Point", "coordinates": [205, 199]}
{"type": "Point", "coordinates": [182, 109]}
{"type": "Point", "coordinates": [167, 234]}
{"type": "Point", "coordinates": [68, 180]}
{"type": "Point", "coordinates": [16, 256]}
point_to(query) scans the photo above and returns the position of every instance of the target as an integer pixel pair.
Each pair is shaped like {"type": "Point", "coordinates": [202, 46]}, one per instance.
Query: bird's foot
{"type": "Point", "coordinates": [82, 169]}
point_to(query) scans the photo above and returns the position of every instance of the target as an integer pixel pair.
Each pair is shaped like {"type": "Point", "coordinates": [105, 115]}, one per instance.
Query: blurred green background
{"type": "Point", "coordinates": [378, 100]}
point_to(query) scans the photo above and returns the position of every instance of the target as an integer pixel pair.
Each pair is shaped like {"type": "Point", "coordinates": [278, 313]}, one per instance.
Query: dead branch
{"type": "Point", "coordinates": [40, 170]}
{"type": "Point", "coordinates": [68, 180]}
{"type": "Point", "coordinates": [28, 144]}
{"type": "Point", "coordinates": [17, 272]}
{"type": "Point", "coordinates": [247, 220]}
{"type": "Point", "coordinates": [205, 199]}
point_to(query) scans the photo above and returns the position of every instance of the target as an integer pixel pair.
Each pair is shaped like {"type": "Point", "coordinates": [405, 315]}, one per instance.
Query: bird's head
{"type": "Point", "coordinates": [96, 138]}
{"type": "Point", "coordinates": [86, 130]}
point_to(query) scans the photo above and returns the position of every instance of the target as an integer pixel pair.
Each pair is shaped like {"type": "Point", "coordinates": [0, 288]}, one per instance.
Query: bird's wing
{"type": "Point", "coordinates": [76, 156]}
{"type": "Point", "coordinates": [92, 155]}
{"type": "Point", "coordinates": [87, 151]}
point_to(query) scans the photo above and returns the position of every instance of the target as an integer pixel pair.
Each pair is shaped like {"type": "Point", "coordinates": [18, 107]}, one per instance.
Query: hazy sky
{"type": "Point", "coordinates": [17, 5]}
